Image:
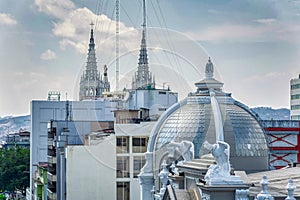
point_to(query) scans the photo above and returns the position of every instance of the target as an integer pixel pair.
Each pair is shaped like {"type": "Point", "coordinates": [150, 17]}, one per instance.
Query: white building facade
{"type": "Point", "coordinates": [108, 169]}
{"type": "Point", "coordinates": [44, 111]}
{"type": "Point", "coordinates": [295, 98]}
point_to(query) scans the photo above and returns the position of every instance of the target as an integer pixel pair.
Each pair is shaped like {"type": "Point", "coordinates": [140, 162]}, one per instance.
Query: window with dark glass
{"type": "Point", "coordinates": [122, 167]}
{"type": "Point", "coordinates": [123, 144]}
{"type": "Point", "coordinates": [138, 164]}
{"type": "Point", "coordinates": [139, 144]}
{"type": "Point", "coordinates": [123, 190]}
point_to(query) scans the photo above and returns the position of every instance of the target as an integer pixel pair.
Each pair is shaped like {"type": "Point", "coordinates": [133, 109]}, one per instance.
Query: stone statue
{"type": "Point", "coordinates": [105, 68]}
{"type": "Point", "coordinates": [148, 166]}
{"type": "Point", "coordinates": [184, 148]}
{"type": "Point", "coordinates": [220, 151]}
{"type": "Point", "coordinates": [209, 69]}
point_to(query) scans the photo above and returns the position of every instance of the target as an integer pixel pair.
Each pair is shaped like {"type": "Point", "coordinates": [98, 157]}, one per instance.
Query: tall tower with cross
{"type": "Point", "coordinates": [91, 83]}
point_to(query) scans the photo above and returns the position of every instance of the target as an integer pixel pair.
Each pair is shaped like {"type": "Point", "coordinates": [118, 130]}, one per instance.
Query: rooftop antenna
{"type": "Point", "coordinates": [67, 110]}
{"type": "Point", "coordinates": [117, 43]}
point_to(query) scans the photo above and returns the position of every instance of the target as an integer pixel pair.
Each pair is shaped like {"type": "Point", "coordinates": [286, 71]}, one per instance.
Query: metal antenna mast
{"type": "Point", "coordinates": [117, 43]}
{"type": "Point", "coordinates": [144, 18]}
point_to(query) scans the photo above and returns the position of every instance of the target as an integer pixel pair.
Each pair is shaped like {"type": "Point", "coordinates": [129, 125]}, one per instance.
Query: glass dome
{"type": "Point", "coordinates": [193, 120]}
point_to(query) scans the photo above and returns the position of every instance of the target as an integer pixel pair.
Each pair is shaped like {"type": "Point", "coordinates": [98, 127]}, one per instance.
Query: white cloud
{"type": "Point", "coordinates": [269, 76]}
{"type": "Point", "coordinates": [55, 8]}
{"type": "Point", "coordinates": [265, 30]}
{"type": "Point", "coordinates": [72, 26]}
{"type": "Point", "coordinates": [7, 19]}
{"type": "Point", "coordinates": [48, 55]}
{"type": "Point", "coordinates": [266, 20]}
{"type": "Point", "coordinates": [227, 33]}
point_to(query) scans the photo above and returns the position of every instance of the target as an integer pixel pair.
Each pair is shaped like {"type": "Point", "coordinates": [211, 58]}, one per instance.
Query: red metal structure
{"type": "Point", "coordinates": [283, 138]}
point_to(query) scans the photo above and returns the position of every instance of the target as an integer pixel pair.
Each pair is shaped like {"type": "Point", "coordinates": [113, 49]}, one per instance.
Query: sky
{"type": "Point", "coordinates": [254, 44]}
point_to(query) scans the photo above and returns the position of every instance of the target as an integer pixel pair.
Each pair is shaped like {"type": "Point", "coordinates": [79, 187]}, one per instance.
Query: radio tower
{"type": "Point", "coordinates": [117, 43]}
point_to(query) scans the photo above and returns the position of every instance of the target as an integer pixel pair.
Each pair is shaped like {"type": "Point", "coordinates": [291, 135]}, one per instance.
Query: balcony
{"type": "Point", "coordinates": [50, 143]}
{"type": "Point", "coordinates": [52, 159]}
{"type": "Point", "coordinates": [51, 195]}
{"type": "Point", "coordinates": [51, 177]}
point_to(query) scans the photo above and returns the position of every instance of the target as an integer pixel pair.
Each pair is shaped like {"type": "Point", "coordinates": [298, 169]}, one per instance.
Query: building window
{"type": "Point", "coordinates": [295, 117]}
{"type": "Point", "coordinates": [295, 96]}
{"type": "Point", "coordinates": [139, 144]}
{"type": "Point", "coordinates": [123, 190]}
{"type": "Point", "coordinates": [160, 92]}
{"type": "Point", "coordinates": [296, 86]}
{"type": "Point", "coordinates": [123, 144]}
{"type": "Point", "coordinates": [138, 164]}
{"type": "Point", "coordinates": [122, 167]}
{"type": "Point", "coordinates": [295, 107]}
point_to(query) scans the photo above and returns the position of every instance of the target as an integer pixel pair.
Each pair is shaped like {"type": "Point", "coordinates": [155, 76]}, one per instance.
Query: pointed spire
{"type": "Point", "coordinates": [143, 77]}
{"type": "Point", "coordinates": [92, 42]}
{"type": "Point", "coordinates": [143, 52]}
{"type": "Point", "coordinates": [90, 83]}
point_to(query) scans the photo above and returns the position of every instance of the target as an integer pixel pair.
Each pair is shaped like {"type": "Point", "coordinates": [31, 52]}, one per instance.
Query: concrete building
{"type": "Point", "coordinates": [295, 98]}
{"type": "Point", "coordinates": [40, 182]}
{"type": "Point", "coordinates": [60, 135]}
{"type": "Point", "coordinates": [20, 139]}
{"type": "Point", "coordinates": [113, 176]}
{"type": "Point", "coordinates": [80, 112]}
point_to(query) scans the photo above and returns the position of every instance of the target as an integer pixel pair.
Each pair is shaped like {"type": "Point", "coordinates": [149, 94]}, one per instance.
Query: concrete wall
{"type": "Point", "coordinates": [152, 99]}
{"type": "Point", "coordinates": [43, 111]}
{"type": "Point", "coordinates": [91, 171]}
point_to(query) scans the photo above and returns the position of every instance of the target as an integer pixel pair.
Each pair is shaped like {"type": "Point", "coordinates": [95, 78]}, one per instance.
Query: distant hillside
{"type": "Point", "coordinates": [11, 124]}
{"type": "Point", "coordinates": [267, 113]}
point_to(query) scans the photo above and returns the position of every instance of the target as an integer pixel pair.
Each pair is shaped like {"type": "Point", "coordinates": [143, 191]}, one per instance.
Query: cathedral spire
{"type": "Point", "coordinates": [91, 84]}
{"type": "Point", "coordinates": [143, 59]}
{"type": "Point", "coordinates": [143, 77]}
{"type": "Point", "coordinates": [92, 42]}
{"type": "Point", "coordinates": [91, 67]}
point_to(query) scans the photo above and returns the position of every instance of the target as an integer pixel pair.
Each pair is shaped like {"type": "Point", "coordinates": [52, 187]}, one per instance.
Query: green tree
{"type": "Point", "coordinates": [14, 169]}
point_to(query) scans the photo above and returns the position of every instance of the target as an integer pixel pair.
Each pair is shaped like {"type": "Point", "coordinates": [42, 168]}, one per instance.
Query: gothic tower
{"type": "Point", "coordinates": [143, 77]}
{"type": "Point", "coordinates": [91, 83]}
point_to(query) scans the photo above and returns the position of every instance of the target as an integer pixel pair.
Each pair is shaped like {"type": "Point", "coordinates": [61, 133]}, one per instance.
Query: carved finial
{"type": "Point", "coordinates": [264, 194]}
{"type": "Point", "coordinates": [164, 176]}
{"type": "Point", "coordinates": [290, 188]}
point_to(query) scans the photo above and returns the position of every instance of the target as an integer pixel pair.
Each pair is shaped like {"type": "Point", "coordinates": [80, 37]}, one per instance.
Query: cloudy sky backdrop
{"type": "Point", "coordinates": [255, 45]}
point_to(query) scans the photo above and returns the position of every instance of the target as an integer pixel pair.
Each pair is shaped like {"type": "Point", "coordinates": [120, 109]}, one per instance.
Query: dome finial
{"type": "Point", "coordinates": [209, 69]}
